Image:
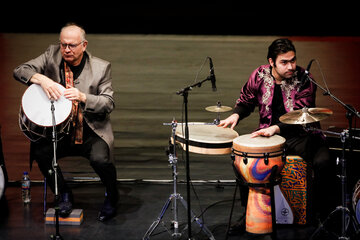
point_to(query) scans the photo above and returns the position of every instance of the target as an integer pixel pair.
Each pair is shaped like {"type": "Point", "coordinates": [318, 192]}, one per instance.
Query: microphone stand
{"type": "Point", "coordinates": [185, 92]}
{"type": "Point", "coordinates": [346, 134]}
{"type": "Point", "coordinates": [55, 165]}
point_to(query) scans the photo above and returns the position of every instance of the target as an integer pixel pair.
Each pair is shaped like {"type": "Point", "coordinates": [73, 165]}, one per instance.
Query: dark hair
{"type": "Point", "coordinates": [280, 46]}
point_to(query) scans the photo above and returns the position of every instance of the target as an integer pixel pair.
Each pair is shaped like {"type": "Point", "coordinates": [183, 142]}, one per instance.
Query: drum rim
{"type": "Point", "coordinates": [253, 146]}
{"type": "Point", "coordinates": [277, 153]}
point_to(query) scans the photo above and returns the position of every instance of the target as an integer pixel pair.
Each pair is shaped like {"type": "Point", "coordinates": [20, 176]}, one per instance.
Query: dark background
{"type": "Point", "coordinates": [297, 18]}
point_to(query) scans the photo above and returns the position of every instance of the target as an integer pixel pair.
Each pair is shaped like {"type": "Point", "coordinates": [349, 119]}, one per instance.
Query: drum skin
{"type": "Point", "coordinates": [255, 170]}
{"type": "Point", "coordinates": [207, 138]}
{"type": "Point", "coordinates": [35, 116]}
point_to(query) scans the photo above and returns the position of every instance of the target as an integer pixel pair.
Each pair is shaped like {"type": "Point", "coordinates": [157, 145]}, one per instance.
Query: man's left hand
{"type": "Point", "coordinates": [267, 132]}
{"type": "Point", "coordinates": [72, 94]}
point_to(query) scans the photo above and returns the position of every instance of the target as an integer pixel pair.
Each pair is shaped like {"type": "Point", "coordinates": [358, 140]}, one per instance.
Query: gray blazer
{"type": "Point", "coordinates": [94, 81]}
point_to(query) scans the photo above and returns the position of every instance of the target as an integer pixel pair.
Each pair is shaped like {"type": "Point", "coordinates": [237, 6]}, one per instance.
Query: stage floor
{"type": "Point", "coordinates": [140, 204]}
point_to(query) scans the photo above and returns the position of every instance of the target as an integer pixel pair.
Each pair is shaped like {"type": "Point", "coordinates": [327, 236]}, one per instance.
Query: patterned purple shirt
{"type": "Point", "coordinates": [259, 91]}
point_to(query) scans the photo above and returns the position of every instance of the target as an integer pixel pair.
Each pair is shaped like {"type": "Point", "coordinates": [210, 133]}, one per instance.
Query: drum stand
{"type": "Point", "coordinates": [174, 197]}
{"type": "Point", "coordinates": [347, 216]}
{"type": "Point", "coordinates": [55, 165]}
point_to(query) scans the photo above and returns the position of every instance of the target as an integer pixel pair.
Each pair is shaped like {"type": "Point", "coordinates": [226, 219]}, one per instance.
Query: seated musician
{"type": "Point", "coordinates": [276, 88]}
{"type": "Point", "coordinates": [88, 85]}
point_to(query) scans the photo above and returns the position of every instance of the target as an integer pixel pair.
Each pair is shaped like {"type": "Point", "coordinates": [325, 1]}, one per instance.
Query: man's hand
{"type": "Point", "coordinates": [49, 86]}
{"type": "Point", "coordinates": [72, 93]}
{"type": "Point", "coordinates": [266, 132]}
{"type": "Point", "coordinates": [232, 119]}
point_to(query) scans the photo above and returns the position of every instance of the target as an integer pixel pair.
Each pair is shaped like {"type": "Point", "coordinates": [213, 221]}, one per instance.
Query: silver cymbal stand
{"type": "Point", "coordinates": [176, 234]}
{"type": "Point", "coordinates": [347, 215]}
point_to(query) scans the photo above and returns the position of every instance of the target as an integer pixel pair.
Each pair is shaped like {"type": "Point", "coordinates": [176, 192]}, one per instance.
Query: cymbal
{"type": "Point", "coordinates": [218, 108]}
{"type": "Point", "coordinates": [305, 115]}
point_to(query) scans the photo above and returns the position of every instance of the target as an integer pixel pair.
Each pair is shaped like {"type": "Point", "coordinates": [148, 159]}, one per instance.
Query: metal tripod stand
{"type": "Point", "coordinates": [174, 197]}
{"type": "Point", "coordinates": [346, 215]}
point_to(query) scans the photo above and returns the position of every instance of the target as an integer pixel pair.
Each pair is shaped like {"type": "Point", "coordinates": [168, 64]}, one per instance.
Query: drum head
{"type": "Point", "coordinates": [207, 133]}
{"type": "Point", "coordinates": [207, 138]}
{"type": "Point", "coordinates": [260, 141]}
{"type": "Point", "coordinates": [35, 102]}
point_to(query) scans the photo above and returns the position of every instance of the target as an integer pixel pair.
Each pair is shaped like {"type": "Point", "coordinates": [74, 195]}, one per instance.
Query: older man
{"type": "Point", "coordinates": [87, 80]}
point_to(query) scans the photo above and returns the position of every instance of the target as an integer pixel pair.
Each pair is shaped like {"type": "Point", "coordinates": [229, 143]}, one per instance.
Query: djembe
{"type": "Point", "coordinates": [259, 160]}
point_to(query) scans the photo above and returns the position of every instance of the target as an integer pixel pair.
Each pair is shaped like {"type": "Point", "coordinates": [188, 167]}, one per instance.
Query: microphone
{"type": "Point", "coordinates": [306, 73]}
{"type": "Point", "coordinates": [212, 75]}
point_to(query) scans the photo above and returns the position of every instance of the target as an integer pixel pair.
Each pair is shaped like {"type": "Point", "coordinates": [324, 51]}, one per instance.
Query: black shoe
{"type": "Point", "coordinates": [238, 227]}
{"type": "Point", "coordinates": [108, 211]}
{"type": "Point", "coordinates": [65, 204]}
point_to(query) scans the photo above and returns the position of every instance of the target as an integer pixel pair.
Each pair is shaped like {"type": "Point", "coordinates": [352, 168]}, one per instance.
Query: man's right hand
{"type": "Point", "coordinates": [49, 86]}
{"type": "Point", "coordinates": [231, 120]}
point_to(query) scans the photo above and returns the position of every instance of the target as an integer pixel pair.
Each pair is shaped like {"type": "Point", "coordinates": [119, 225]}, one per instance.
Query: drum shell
{"type": "Point", "coordinates": [34, 131]}
{"type": "Point", "coordinates": [254, 160]}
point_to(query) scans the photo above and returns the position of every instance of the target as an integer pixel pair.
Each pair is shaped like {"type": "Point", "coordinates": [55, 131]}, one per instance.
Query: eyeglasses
{"type": "Point", "coordinates": [71, 46]}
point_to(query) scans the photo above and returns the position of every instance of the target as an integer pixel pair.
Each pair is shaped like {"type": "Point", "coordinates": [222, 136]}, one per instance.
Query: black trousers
{"type": "Point", "coordinates": [314, 150]}
{"type": "Point", "coordinates": [93, 148]}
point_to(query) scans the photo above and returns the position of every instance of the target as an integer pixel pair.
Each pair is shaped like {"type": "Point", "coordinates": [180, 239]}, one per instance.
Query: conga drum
{"type": "Point", "coordinates": [257, 159]}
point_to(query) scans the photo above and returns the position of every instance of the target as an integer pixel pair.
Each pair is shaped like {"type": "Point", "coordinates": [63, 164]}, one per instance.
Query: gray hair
{"type": "Point", "coordinates": [82, 31]}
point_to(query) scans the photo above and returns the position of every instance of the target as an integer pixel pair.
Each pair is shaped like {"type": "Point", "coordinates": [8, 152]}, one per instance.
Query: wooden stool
{"type": "Point", "coordinates": [295, 185]}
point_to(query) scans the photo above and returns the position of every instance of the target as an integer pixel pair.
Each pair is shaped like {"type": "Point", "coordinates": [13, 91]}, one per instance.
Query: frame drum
{"type": "Point", "coordinates": [35, 117]}
{"type": "Point", "coordinates": [206, 138]}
